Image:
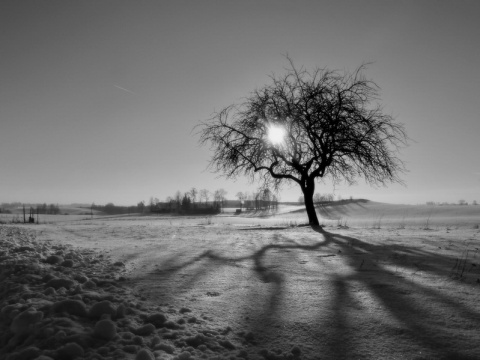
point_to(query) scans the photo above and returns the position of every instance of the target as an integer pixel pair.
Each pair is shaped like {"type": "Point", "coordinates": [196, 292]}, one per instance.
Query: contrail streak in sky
{"type": "Point", "coordinates": [121, 88]}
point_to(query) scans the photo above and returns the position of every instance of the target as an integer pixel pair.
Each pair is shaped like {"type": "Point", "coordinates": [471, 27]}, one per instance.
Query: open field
{"type": "Point", "coordinates": [358, 214]}
{"type": "Point", "coordinates": [381, 282]}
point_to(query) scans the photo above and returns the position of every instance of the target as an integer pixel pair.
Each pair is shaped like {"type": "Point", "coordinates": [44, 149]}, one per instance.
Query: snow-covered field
{"type": "Point", "coordinates": [381, 282]}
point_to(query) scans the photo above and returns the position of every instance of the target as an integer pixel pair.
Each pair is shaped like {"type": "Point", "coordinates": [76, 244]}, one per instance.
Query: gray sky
{"type": "Point", "coordinates": [98, 98]}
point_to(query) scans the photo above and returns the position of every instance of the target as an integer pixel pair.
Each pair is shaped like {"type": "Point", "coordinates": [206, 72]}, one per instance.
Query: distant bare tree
{"type": "Point", "coordinates": [258, 200]}
{"type": "Point", "coordinates": [151, 204]}
{"type": "Point", "coordinates": [219, 197]}
{"type": "Point", "coordinates": [249, 202]}
{"type": "Point", "coordinates": [241, 197]}
{"type": "Point", "coordinates": [317, 198]}
{"type": "Point", "coordinates": [186, 202]}
{"type": "Point", "coordinates": [193, 194]}
{"type": "Point", "coordinates": [275, 200]}
{"type": "Point", "coordinates": [178, 200]}
{"type": "Point", "coordinates": [305, 126]}
{"type": "Point", "coordinates": [204, 194]}
{"type": "Point", "coordinates": [266, 196]}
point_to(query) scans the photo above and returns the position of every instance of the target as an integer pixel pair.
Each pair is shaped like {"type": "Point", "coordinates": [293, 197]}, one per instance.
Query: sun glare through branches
{"type": "Point", "coordinates": [276, 134]}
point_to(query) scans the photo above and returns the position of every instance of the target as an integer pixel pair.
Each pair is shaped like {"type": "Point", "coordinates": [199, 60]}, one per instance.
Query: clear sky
{"type": "Point", "coordinates": [98, 98]}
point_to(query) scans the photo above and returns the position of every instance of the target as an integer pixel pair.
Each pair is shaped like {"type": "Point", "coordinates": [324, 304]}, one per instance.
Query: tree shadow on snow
{"type": "Point", "coordinates": [384, 272]}
{"type": "Point", "coordinates": [417, 322]}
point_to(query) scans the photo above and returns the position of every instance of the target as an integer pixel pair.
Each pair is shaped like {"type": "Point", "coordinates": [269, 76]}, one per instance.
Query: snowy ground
{"type": "Point", "coordinates": [392, 284]}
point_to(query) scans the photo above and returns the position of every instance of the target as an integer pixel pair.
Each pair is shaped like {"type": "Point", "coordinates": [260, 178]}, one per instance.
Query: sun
{"type": "Point", "coordinates": [276, 134]}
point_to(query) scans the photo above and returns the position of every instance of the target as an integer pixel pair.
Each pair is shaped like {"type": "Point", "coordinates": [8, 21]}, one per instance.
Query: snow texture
{"type": "Point", "coordinates": [61, 303]}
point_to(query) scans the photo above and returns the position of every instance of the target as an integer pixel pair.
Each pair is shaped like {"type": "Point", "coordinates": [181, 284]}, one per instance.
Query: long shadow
{"type": "Point", "coordinates": [411, 314]}
{"type": "Point", "coordinates": [212, 261]}
{"type": "Point", "coordinates": [337, 342]}
{"type": "Point", "coordinates": [414, 317]}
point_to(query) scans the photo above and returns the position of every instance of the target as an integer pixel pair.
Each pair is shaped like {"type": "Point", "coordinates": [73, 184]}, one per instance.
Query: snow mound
{"type": "Point", "coordinates": [61, 303]}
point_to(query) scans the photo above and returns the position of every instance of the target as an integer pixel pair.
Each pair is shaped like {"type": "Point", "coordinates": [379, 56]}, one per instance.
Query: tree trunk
{"type": "Point", "coordinates": [309, 205]}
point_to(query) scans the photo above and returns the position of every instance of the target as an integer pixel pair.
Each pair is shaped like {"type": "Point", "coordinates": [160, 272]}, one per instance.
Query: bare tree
{"type": "Point", "coordinates": [193, 194]}
{"type": "Point", "coordinates": [219, 197]}
{"type": "Point", "coordinates": [307, 126]}
{"type": "Point", "coordinates": [186, 202]}
{"type": "Point", "coordinates": [241, 197]}
{"type": "Point", "coordinates": [249, 196]}
{"type": "Point", "coordinates": [178, 200]}
{"type": "Point", "coordinates": [204, 194]}
{"type": "Point", "coordinates": [141, 206]}
{"type": "Point", "coordinates": [318, 198]}
{"type": "Point", "coordinates": [266, 196]}
{"type": "Point", "coordinates": [152, 204]}
{"type": "Point", "coordinates": [275, 200]}
{"type": "Point", "coordinates": [325, 198]}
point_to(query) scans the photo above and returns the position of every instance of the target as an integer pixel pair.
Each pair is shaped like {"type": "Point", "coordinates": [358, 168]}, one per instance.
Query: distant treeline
{"type": "Point", "coordinates": [194, 202]}
{"type": "Point", "coordinates": [112, 209]}
{"type": "Point", "coordinates": [205, 202]}
{"type": "Point", "coordinates": [197, 202]}
{"type": "Point", "coordinates": [8, 208]}
{"type": "Point", "coordinates": [159, 208]}
{"type": "Point", "coordinates": [51, 209]}
{"type": "Point", "coordinates": [460, 202]}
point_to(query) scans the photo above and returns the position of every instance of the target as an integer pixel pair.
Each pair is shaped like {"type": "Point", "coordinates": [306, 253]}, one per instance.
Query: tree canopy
{"type": "Point", "coordinates": [308, 125]}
